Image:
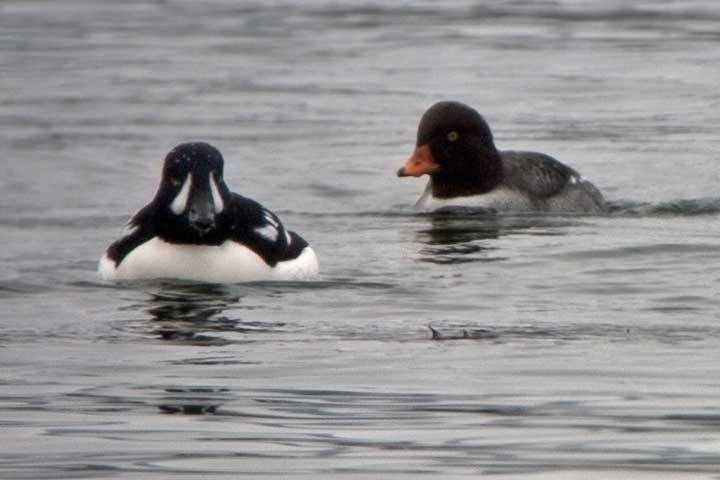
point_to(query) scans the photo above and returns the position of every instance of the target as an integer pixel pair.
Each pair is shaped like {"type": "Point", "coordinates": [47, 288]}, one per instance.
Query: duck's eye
{"type": "Point", "coordinates": [452, 136]}
{"type": "Point", "coordinates": [175, 182]}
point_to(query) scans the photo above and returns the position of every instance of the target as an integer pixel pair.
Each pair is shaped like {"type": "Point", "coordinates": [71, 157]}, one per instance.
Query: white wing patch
{"type": "Point", "coordinates": [287, 238]}
{"type": "Point", "coordinates": [270, 219]}
{"type": "Point", "coordinates": [129, 228]}
{"type": "Point", "coordinates": [575, 179]}
{"type": "Point", "coordinates": [179, 204]}
{"type": "Point", "coordinates": [269, 232]}
{"type": "Point", "coordinates": [217, 199]}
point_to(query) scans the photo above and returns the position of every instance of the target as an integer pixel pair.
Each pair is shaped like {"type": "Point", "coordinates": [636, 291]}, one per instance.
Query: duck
{"type": "Point", "coordinates": [196, 229]}
{"type": "Point", "coordinates": [455, 148]}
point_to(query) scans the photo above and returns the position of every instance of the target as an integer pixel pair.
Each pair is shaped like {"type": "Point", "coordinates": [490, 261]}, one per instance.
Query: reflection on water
{"type": "Point", "coordinates": [464, 235]}
{"type": "Point", "coordinates": [273, 431]}
{"type": "Point", "coordinates": [454, 240]}
{"type": "Point", "coordinates": [193, 303]}
{"type": "Point", "coordinates": [185, 313]}
{"type": "Point", "coordinates": [192, 400]}
{"type": "Point", "coordinates": [197, 314]}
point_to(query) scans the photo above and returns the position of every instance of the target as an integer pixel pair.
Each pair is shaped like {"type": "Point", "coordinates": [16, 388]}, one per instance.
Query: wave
{"type": "Point", "coordinates": [669, 334]}
{"type": "Point", "coordinates": [679, 207]}
{"type": "Point", "coordinates": [624, 207]}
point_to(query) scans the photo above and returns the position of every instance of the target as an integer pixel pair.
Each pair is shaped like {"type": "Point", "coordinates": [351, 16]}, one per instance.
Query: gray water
{"type": "Point", "coordinates": [446, 346]}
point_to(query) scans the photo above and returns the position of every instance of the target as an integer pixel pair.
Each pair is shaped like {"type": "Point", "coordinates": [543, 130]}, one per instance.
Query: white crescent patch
{"type": "Point", "coordinates": [179, 204]}
{"type": "Point", "coordinates": [217, 198]}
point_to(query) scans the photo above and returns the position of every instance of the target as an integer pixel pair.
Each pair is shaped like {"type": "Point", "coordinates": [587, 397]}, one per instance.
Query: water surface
{"type": "Point", "coordinates": [444, 346]}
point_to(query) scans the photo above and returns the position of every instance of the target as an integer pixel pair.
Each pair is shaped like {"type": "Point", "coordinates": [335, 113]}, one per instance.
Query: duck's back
{"type": "Point", "coordinates": [548, 184]}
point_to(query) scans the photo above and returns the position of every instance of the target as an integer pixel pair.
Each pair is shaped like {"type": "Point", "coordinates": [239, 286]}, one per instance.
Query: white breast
{"type": "Point", "coordinates": [229, 262]}
{"type": "Point", "coordinates": [500, 199]}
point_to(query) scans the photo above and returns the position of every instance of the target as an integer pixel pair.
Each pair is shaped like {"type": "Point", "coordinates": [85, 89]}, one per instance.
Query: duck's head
{"type": "Point", "coordinates": [192, 193]}
{"type": "Point", "coordinates": [453, 142]}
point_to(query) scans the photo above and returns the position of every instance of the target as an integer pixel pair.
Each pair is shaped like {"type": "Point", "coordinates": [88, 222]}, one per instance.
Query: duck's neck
{"type": "Point", "coordinates": [474, 178]}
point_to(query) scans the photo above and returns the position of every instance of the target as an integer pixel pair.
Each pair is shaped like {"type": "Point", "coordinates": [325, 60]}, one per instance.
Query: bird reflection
{"type": "Point", "coordinates": [193, 400]}
{"type": "Point", "coordinates": [196, 314]}
{"type": "Point", "coordinates": [190, 302]}
{"type": "Point", "coordinates": [463, 236]}
{"type": "Point", "coordinates": [453, 238]}
{"type": "Point", "coordinates": [185, 312]}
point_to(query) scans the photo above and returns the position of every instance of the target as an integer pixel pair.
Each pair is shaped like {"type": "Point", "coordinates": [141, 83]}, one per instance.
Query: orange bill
{"type": "Point", "coordinates": [419, 163]}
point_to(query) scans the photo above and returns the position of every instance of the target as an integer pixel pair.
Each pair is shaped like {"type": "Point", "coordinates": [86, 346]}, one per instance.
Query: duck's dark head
{"type": "Point", "coordinates": [455, 147]}
{"type": "Point", "coordinates": [192, 194]}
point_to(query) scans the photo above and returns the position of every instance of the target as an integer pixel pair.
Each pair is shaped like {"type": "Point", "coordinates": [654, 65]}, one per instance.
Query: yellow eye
{"type": "Point", "coordinates": [175, 182]}
{"type": "Point", "coordinates": [452, 136]}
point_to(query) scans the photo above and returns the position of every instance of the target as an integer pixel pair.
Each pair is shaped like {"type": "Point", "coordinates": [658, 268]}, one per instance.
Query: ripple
{"type": "Point", "coordinates": [678, 207]}
{"type": "Point", "coordinates": [669, 334]}
{"type": "Point", "coordinates": [15, 288]}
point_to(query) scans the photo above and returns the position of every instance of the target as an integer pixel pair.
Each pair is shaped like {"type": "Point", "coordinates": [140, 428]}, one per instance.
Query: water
{"type": "Point", "coordinates": [446, 346]}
